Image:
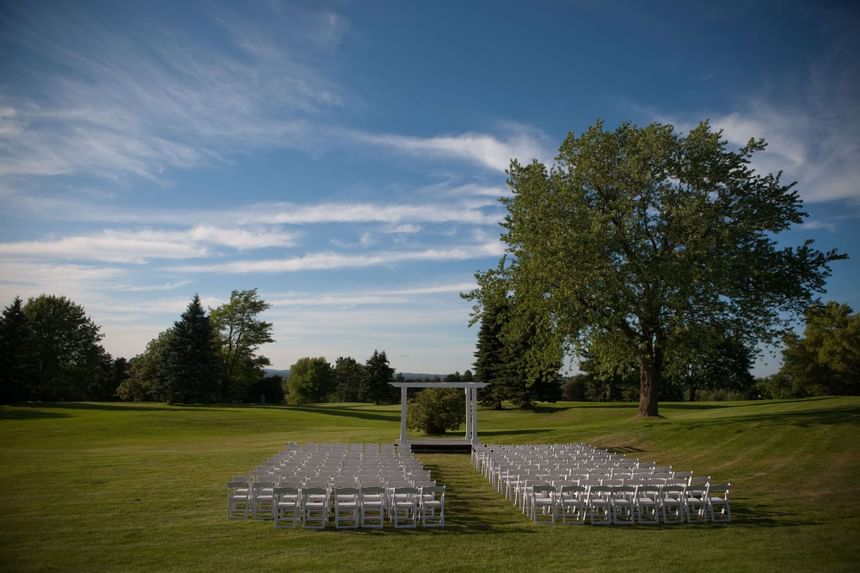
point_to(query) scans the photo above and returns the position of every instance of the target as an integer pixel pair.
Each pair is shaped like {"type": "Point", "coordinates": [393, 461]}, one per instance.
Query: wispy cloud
{"type": "Point", "coordinates": [156, 97]}
{"type": "Point", "coordinates": [482, 149]}
{"type": "Point", "coordinates": [143, 245]}
{"type": "Point", "coordinates": [332, 260]}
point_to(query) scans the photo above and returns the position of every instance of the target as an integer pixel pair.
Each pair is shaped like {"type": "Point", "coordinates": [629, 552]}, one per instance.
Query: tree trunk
{"type": "Point", "coordinates": [650, 372]}
{"type": "Point", "coordinates": [692, 392]}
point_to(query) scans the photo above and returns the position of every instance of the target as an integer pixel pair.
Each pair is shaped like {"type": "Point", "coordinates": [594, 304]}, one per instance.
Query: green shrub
{"type": "Point", "coordinates": [437, 409]}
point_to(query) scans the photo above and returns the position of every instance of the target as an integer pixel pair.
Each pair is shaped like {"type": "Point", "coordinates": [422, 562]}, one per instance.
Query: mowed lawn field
{"type": "Point", "coordinates": [141, 487]}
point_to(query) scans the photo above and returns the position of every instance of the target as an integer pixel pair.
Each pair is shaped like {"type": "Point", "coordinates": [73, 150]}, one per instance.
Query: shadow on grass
{"type": "Point", "coordinates": [824, 417]}
{"type": "Point", "coordinates": [755, 517]}
{"type": "Point", "coordinates": [624, 449]}
{"type": "Point", "coordinates": [512, 432]}
{"type": "Point", "coordinates": [18, 413]}
{"type": "Point", "coordinates": [348, 412]}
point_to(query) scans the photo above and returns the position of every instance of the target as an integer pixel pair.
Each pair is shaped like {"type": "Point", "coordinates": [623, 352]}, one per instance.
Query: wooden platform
{"type": "Point", "coordinates": [439, 446]}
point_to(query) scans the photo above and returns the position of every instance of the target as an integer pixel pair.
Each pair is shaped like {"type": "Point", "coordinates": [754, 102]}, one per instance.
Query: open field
{"type": "Point", "coordinates": [140, 487]}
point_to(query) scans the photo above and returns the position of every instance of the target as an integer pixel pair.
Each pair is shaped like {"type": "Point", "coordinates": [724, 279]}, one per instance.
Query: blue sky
{"type": "Point", "coordinates": [346, 158]}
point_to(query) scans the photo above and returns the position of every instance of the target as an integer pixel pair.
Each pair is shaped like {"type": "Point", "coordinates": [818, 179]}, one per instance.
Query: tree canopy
{"type": "Point", "coordinates": [646, 234]}
{"type": "Point", "coordinates": [826, 359]}
{"type": "Point", "coordinates": [311, 380]}
{"type": "Point", "coordinates": [240, 334]}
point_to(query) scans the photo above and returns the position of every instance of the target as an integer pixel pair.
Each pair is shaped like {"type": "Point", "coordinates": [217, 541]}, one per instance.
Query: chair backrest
{"type": "Point", "coordinates": [720, 489]}
{"type": "Point", "coordinates": [313, 491]}
{"type": "Point", "coordinates": [345, 491]}
{"type": "Point", "coordinates": [372, 490]}
{"type": "Point", "coordinates": [543, 489]}
{"type": "Point", "coordinates": [286, 491]}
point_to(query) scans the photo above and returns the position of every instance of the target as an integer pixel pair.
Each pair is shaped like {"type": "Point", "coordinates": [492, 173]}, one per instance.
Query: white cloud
{"type": "Point", "coordinates": [482, 149]}
{"type": "Point", "coordinates": [364, 298]}
{"type": "Point", "coordinates": [140, 246]}
{"type": "Point", "coordinates": [330, 261]}
{"type": "Point", "coordinates": [286, 213]}
{"type": "Point", "coordinates": [153, 98]}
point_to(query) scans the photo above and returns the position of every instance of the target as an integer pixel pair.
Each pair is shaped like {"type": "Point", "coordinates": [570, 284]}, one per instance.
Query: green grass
{"type": "Point", "coordinates": [128, 487]}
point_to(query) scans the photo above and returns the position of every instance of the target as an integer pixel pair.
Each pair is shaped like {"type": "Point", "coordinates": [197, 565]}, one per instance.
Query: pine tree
{"type": "Point", "coordinates": [491, 357]}
{"type": "Point", "coordinates": [377, 375]}
{"type": "Point", "coordinates": [191, 366]}
{"type": "Point", "coordinates": [17, 361]}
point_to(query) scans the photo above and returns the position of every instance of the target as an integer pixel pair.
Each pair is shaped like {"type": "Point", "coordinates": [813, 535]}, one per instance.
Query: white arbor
{"type": "Point", "coordinates": [471, 391]}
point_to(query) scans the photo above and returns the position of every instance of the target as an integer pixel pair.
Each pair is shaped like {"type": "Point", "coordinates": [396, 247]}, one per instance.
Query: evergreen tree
{"type": "Point", "coordinates": [377, 376]}
{"type": "Point", "coordinates": [17, 360]}
{"type": "Point", "coordinates": [489, 356]}
{"type": "Point", "coordinates": [191, 365]}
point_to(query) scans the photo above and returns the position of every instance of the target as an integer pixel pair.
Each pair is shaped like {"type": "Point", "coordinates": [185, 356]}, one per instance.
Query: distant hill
{"type": "Point", "coordinates": [408, 375]}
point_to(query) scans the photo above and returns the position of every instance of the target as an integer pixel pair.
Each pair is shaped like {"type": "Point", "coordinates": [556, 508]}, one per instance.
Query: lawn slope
{"type": "Point", "coordinates": [140, 487]}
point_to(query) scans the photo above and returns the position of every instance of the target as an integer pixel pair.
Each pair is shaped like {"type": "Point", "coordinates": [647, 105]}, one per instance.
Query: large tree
{"type": "Point", "coordinates": [17, 354]}
{"type": "Point", "coordinates": [348, 375]}
{"type": "Point", "coordinates": [645, 232]}
{"type": "Point", "coordinates": [376, 385]}
{"type": "Point", "coordinates": [240, 335]}
{"type": "Point", "coordinates": [190, 368]}
{"type": "Point", "coordinates": [66, 344]}
{"type": "Point", "coordinates": [145, 380]}
{"type": "Point", "coordinates": [311, 380]}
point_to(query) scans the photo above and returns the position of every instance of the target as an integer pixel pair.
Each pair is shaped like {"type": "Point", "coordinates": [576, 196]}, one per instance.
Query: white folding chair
{"type": "Point", "coordinates": [599, 505]}
{"type": "Point", "coordinates": [648, 504]}
{"type": "Point", "coordinates": [372, 506]}
{"type": "Point", "coordinates": [262, 499]}
{"type": "Point", "coordinates": [314, 507]}
{"type": "Point", "coordinates": [288, 510]}
{"type": "Point", "coordinates": [623, 505]}
{"type": "Point", "coordinates": [697, 504]}
{"type": "Point", "coordinates": [542, 504]}
{"type": "Point", "coordinates": [238, 499]}
{"type": "Point", "coordinates": [432, 506]}
{"type": "Point", "coordinates": [404, 507]}
{"type": "Point", "coordinates": [572, 504]}
{"type": "Point", "coordinates": [673, 503]}
{"type": "Point", "coordinates": [719, 508]}
{"type": "Point", "coordinates": [346, 508]}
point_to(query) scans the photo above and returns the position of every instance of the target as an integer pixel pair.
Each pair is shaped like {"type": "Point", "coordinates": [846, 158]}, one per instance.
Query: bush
{"type": "Point", "coordinates": [437, 409]}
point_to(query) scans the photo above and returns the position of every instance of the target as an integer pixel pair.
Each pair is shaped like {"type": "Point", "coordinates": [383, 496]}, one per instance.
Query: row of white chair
{"type": "Point", "coordinates": [628, 505]}
{"type": "Point", "coordinates": [314, 507]}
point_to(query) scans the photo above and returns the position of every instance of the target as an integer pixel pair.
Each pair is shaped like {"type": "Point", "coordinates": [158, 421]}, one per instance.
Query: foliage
{"type": "Point", "coordinates": [435, 410]}
{"type": "Point", "coordinates": [240, 335]}
{"type": "Point", "coordinates": [268, 390]}
{"type": "Point", "coordinates": [145, 379]}
{"type": "Point", "coordinates": [311, 381]}
{"type": "Point", "coordinates": [643, 233]}
{"type": "Point", "coordinates": [66, 345]}
{"type": "Point", "coordinates": [348, 375]}
{"type": "Point", "coordinates": [18, 365]}
{"type": "Point", "coordinates": [376, 385]}
{"type": "Point", "coordinates": [825, 360]}
{"type": "Point", "coordinates": [710, 361]}
{"type": "Point", "coordinates": [190, 368]}
{"type": "Point", "coordinates": [500, 358]}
